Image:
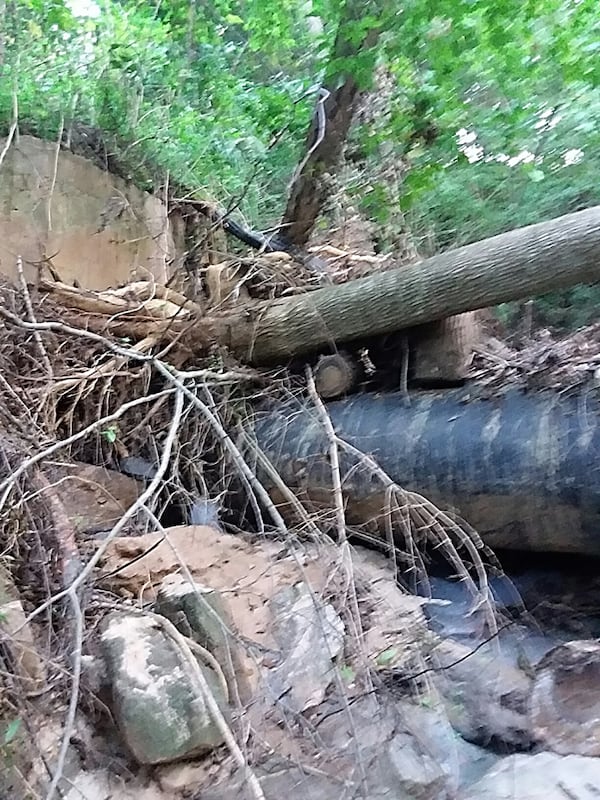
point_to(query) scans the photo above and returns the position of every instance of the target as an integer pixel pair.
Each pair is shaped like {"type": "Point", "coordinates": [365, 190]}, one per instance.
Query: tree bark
{"type": "Point", "coordinates": [441, 351]}
{"type": "Point", "coordinates": [331, 122]}
{"type": "Point", "coordinates": [524, 262]}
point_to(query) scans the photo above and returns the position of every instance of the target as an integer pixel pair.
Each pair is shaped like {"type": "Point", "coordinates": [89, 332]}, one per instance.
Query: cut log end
{"type": "Point", "coordinates": [335, 375]}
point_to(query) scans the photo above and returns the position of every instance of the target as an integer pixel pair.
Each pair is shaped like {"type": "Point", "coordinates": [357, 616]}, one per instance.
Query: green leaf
{"type": "Point", "coordinates": [110, 434]}
{"type": "Point", "coordinates": [347, 674]}
{"type": "Point", "coordinates": [385, 658]}
{"type": "Point", "coordinates": [11, 731]}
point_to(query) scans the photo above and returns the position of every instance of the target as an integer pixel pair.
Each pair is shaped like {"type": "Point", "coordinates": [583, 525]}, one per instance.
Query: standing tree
{"type": "Point", "coordinates": [348, 74]}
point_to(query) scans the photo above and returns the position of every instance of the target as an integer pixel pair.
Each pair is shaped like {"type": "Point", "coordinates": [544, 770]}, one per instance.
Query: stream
{"type": "Point", "coordinates": [560, 594]}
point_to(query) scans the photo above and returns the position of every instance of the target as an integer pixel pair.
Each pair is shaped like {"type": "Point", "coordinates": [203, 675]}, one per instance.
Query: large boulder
{"type": "Point", "coordinates": [159, 713]}
{"type": "Point", "coordinates": [98, 229]}
{"type": "Point", "coordinates": [565, 700]}
{"type": "Point", "coordinates": [545, 776]}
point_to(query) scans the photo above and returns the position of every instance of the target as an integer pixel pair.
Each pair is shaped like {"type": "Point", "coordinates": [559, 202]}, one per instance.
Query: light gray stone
{"type": "Point", "coordinates": [545, 776]}
{"type": "Point", "coordinates": [310, 635]}
{"type": "Point", "coordinates": [159, 715]}
{"type": "Point", "coordinates": [396, 763]}
{"type": "Point", "coordinates": [486, 698]}
{"type": "Point", "coordinates": [462, 762]}
{"type": "Point", "coordinates": [565, 700]}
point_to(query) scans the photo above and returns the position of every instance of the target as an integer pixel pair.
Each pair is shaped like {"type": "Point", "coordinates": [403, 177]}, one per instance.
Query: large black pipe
{"type": "Point", "coordinates": [523, 469]}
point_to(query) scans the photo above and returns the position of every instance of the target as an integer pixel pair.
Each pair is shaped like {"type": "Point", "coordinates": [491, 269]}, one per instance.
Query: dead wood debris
{"type": "Point", "coordinates": [564, 364]}
{"type": "Point", "coordinates": [137, 372]}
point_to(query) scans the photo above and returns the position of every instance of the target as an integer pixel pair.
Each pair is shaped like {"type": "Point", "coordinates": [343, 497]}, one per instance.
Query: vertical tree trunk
{"type": "Point", "coordinates": [351, 68]}
{"type": "Point", "coordinates": [443, 350]}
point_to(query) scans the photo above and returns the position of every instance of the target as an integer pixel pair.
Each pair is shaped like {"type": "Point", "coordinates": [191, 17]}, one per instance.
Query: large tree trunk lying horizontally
{"type": "Point", "coordinates": [521, 263]}
{"type": "Point", "coordinates": [521, 469]}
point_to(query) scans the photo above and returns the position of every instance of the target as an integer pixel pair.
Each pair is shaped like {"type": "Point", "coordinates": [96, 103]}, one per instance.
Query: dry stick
{"type": "Point", "coordinates": [334, 457]}
{"type": "Point", "coordinates": [25, 410]}
{"type": "Point", "coordinates": [213, 708]}
{"type": "Point", "coordinates": [131, 511]}
{"type": "Point", "coordinates": [175, 377]}
{"type": "Point", "coordinates": [433, 519]}
{"type": "Point", "coordinates": [248, 486]}
{"type": "Point", "coordinates": [391, 489]}
{"type": "Point", "coordinates": [13, 128]}
{"type": "Point", "coordinates": [350, 589]}
{"type": "Point", "coordinates": [430, 514]}
{"type": "Point", "coordinates": [29, 306]}
{"type": "Point", "coordinates": [401, 510]}
{"type": "Point", "coordinates": [64, 384]}
{"type": "Point", "coordinates": [54, 173]}
{"type": "Point", "coordinates": [71, 592]}
{"type": "Point", "coordinates": [7, 484]}
{"type": "Point", "coordinates": [200, 651]}
{"type": "Point", "coordinates": [74, 698]}
{"type": "Point", "coordinates": [61, 327]}
{"type": "Point", "coordinates": [280, 484]}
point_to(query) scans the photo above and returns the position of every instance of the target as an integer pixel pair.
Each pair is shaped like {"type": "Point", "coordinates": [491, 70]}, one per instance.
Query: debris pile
{"type": "Point", "coordinates": [189, 612]}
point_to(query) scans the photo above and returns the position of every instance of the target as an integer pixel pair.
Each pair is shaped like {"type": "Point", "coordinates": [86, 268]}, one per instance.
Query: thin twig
{"type": "Point", "coordinates": [13, 128]}
{"type": "Point", "coordinates": [205, 692]}
{"type": "Point", "coordinates": [54, 173]}
{"type": "Point", "coordinates": [141, 501]}
{"type": "Point", "coordinates": [69, 725]}
{"type": "Point", "coordinates": [334, 457]}
{"type": "Point", "coordinates": [7, 484]}
{"type": "Point", "coordinates": [31, 316]}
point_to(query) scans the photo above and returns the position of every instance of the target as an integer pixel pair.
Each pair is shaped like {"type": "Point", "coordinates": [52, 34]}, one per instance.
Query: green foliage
{"type": "Point", "coordinates": [176, 87]}
{"type": "Point", "coordinates": [219, 96]}
{"type": "Point", "coordinates": [9, 742]}
{"type": "Point", "coordinates": [11, 731]}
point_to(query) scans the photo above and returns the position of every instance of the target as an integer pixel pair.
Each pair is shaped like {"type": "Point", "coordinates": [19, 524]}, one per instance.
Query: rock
{"type": "Point", "coordinates": [182, 777]}
{"type": "Point", "coordinates": [17, 637]}
{"type": "Point", "coordinates": [395, 625]}
{"type": "Point", "coordinates": [200, 613]}
{"type": "Point", "coordinates": [94, 674]}
{"type": "Point", "coordinates": [292, 783]}
{"type": "Point", "coordinates": [160, 716]}
{"type": "Point", "coordinates": [565, 700]}
{"type": "Point", "coordinates": [85, 751]}
{"type": "Point", "coordinates": [398, 765]}
{"type": "Point", "coordinates": [103, 785]}
{"type": "Point", "coordinates": [545, 776]}
{"type": "Point", "coordinates": [94, 498]}
{"type": "Point", "coordinates": [486, 697]}
{"type": "Point", "coordinates": [311, 636]}
{"type": "Point", "coordinates": [246, 575]}
{"type": "Point", "coordinates": [103, 232]}
{"type": "Point", "coordinates": [462, 762]}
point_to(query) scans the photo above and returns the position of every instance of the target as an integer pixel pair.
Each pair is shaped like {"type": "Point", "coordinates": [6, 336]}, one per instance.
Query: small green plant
{"type": "Point", "coordinates": [8, 742]}
{"type": "Point", "coordinates": [111, 433]}
{"type": "Point", "coordinates": [347, 674]}
{"type": "Point", "coordinates": [387, 657]}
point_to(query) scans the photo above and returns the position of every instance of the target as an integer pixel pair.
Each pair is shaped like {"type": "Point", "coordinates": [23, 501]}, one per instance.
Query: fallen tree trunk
{"type": "Point", "coordinates": [521, 469]}
{"type": "Point", "coordinates": [524, 262]}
